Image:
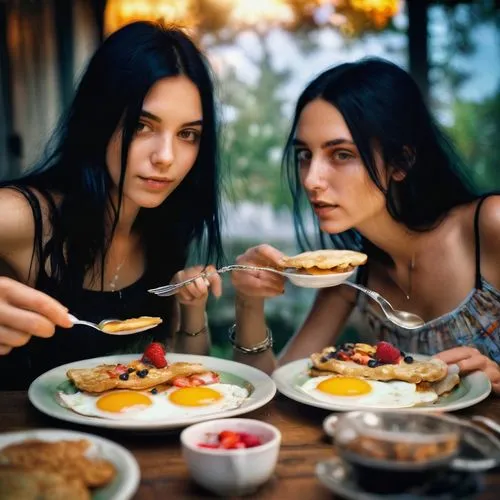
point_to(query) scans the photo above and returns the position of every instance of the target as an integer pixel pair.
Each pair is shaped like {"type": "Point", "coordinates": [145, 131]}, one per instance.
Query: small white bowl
{"type": "Point", "coordinates": [235, 471]}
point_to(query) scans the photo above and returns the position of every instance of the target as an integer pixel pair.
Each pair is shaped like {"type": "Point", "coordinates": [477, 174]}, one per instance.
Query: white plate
{"type": "Point", "coordinates": [43, 390]}
{"type": "Point", "coordinates": [317, 280]}
{"type": "Point", "coordinates": [126, 481]}
{"type": "Point", "coordinates": [473, 388]}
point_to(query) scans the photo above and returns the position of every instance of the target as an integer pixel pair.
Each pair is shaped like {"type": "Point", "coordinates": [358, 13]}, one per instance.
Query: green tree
{"type": "Point", "coordinates": [253, 139]}
{"type": "Point", "coordinates": [476, 133]}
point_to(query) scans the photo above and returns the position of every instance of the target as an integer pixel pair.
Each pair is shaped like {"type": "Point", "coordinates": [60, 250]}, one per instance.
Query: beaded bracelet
{"type": "Point", "coordinates": [266, 344]}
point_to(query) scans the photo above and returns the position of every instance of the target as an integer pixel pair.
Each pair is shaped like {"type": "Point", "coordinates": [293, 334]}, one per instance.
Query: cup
{"type": "Point", "coordinates": [228, 472]}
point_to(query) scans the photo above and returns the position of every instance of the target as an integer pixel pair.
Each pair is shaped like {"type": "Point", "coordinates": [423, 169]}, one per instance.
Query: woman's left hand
{"type": "Point", "coordinates": [196, 294]}
{"type": "Point", "coordinates": [469, 359]}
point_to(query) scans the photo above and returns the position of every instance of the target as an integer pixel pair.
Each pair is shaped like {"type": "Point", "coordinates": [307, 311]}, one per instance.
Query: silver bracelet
{"type": "Point", "coordinates": [194, 334]}
{"type": "Point", "coordinates": [266, 344]}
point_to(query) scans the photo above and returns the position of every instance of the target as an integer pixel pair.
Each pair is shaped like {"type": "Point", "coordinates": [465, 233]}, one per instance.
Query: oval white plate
{"type": "Point", "coordinates": [43, 390]}
{"type": "Point", "coordinates": [123, 486]}
{"type": "Point", "coordinates": [473, 388]}
{"type": "Point", "coordinates": [317, 280]}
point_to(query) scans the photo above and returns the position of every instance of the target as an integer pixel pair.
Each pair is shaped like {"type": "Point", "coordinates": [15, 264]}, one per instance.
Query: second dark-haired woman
{"type": "Point", "coordinates": [129, 183]}
{"type": "Point", "coordinates": [382, 178]}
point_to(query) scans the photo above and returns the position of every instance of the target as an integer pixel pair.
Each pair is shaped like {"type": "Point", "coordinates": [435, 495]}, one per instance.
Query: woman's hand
{"type": "Point", "coordinates": [196, 294]}
{"type": "Point", "coordinates": [26, 312]}
{"type": "Point", "coordinates": [259, 284]}
{"type": "Point", "coordinates": [469, 359]}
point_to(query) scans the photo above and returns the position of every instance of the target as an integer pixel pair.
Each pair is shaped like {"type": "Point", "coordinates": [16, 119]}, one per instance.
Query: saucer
{"type": "Point", "coordinates": [338, 477]}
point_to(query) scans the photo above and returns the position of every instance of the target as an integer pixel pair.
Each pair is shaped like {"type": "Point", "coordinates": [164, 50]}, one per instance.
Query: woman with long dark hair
{"type": "Point", "coordinates": [382, 178]}
{"type": "Point", "coordinates": [128, 185]}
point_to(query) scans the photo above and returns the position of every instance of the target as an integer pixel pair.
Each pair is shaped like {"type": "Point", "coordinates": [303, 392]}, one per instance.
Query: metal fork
{"type": "Point", "coordinates": [168, 290]}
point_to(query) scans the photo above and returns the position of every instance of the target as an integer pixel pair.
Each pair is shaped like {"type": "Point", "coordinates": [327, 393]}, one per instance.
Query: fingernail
{"type": "Point", "coordinates": [452, 369]}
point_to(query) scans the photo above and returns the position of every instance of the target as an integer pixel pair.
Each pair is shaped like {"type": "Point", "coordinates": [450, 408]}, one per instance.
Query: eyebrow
{"type": "Point", "coordinates": [327, 144]}
{"type": "Point", "coordinates": [151, 116]}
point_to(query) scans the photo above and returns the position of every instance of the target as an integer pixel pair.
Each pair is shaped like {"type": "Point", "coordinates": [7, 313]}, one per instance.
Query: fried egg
{"type": "Point", "coordinates": [350, 391]}
{"type": "Point", "coordinates": [143, 405]}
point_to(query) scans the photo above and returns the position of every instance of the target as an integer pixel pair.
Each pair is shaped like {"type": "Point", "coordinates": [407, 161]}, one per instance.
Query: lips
{"type": "Point", "coordinates": [322, 208]}
{"type": "Point", "coordinates": [156, 182]}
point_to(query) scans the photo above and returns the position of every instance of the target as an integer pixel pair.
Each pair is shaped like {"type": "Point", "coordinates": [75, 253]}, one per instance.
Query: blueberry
{"type": "Point", "coordinates": [154, 390]}
{"type": "Point", "coordinates": [323, 359]}
{"type": "Point", "coordinates": [330, 355]}
{"type": "Point", "coordinates": [131, 370]}
{"type": "Point", "coordinates": [372, 363]}
{"type": "Point", "coordinates": [408, 359]}
{"type": "Point", "coordinates": [401, 353]}
{"type": "Point", "coordinates": [142, 373]}
{"type": "Point", "coordinates": [124, 376]}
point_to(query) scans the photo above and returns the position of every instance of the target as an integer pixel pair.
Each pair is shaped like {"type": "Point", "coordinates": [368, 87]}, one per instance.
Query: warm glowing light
{"type": "Point", "coordinates": [351, 16]}
{"type": "Point", "coordinates": [261, 13]}
{"type": "Point", "coordinates": [121, 12]}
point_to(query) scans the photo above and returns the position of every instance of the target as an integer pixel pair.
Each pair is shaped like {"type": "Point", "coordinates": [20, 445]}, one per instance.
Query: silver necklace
{"type": "Point", "coordinates": [411, 266]}
{"type": "Point", "coordinates": [114, 280]}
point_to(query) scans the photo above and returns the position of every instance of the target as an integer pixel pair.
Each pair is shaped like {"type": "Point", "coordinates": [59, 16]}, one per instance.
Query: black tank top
{"type": "Point", "coordinates": [19, 368]}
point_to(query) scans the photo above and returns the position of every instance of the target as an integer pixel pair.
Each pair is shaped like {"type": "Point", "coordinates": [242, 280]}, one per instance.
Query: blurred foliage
{"type": "Point", "coordinates": [253, 140]}
{"type": "Point", "coordinates": [476, 133]}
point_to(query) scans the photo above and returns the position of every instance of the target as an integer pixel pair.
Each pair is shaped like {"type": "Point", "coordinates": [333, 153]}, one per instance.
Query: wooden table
{"type": "Point", "coordinates": [164, 475]}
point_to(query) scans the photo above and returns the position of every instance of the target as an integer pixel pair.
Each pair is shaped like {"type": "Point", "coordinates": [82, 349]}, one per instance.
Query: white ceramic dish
{"type": "Point", "coordinates": [123, 486]}
{"type": "Point", "coordinates": [42, 392]}
{"type": "Point", "coordinates": [473, 388]}
{"type": "Point", "coordinates": [231, 472]}
{"type": "Point", "coordinates": [317, 280]}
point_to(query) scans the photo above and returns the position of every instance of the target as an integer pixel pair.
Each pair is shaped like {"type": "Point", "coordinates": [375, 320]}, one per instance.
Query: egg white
{"type": "Point", "coordinates": [393, 394]}
{"type": "Point", "coordinates": [161, 407]}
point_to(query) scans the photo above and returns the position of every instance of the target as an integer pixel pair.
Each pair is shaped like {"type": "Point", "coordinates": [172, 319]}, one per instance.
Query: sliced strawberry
{"type": "Point", "coordinates": [228, 434]}
{"type": "Point", "coordinates": [208, 445]}
{"type": "Point", "coordinates": [250, 440]}
{"type": "Point", "coordinates": [387, 353]}
{"type": "Point", "coordinates": [155, 355]}
{"type": "Point", "coordinates": [181, 382]}
{"type": "Point", "coordinates": [229, 442]}
{"type": "Point", "coordinates": [361, 359]}
{"type": "Point", "coordinates": [343, 356]}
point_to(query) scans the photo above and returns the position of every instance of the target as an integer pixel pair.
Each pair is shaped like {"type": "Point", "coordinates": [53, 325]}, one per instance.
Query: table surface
{"type": "Point", "coordinates": [163, 471]}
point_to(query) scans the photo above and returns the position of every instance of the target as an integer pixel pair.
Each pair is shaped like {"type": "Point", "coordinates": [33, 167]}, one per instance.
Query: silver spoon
{"type": "Point", "coordinates": [403, 319]}
{"type": "Point", "coordinates": [99, 326]}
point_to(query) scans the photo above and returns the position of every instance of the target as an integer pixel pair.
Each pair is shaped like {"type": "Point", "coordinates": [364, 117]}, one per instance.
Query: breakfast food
{"type": "Point", "coordinates": [230, 440]}
{"type": "Point", "coordinates": [381, 362]}
{"type": "Point", "coordinates": [55, 470]}
{"type": "Point", "coordinates": [149, 389]}
{"type": "Point", "coordinates": [378, 376]}
{"type": "Point", "coordinates": [130, 324]}
{"type": "Point", "coordinates": [324, 261]}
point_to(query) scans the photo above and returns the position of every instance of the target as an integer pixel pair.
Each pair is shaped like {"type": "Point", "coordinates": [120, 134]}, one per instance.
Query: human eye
{"type": "Point", "coordinates": [142, 127]}
{"type": "Point", "coordinates": [342, 155]}
{"type": "Point", "coordinates": [303, 156]}
{"type": "Point", "coordinates": [190, 135]}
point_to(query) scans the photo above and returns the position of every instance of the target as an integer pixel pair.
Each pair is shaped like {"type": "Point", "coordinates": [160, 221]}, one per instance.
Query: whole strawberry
{"type": "Point", "coordinates": [154, 354]}
{"type": "Point", "coordinates": [387, 353]}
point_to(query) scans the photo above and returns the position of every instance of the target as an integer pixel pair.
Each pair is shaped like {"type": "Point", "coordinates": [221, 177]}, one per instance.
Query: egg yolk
{"type": "Point", "coordinates": [117, 402]}
{"type": "Point", "coordinates": [344, 386]}
{"type": "Point", "coordinates": [194, 396]}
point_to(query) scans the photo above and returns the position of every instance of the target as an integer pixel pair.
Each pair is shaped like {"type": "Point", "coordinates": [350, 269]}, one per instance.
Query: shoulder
{"type": "Point", "coordinates": [489, 224]}
{"type": "Point", "coordinates": [488, 230]}
{"type": "Point", "coordinates": [17, 224]}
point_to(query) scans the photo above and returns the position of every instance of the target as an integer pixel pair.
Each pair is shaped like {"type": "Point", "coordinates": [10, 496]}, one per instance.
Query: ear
{"type": "Point", "coordinates": [398, 175]}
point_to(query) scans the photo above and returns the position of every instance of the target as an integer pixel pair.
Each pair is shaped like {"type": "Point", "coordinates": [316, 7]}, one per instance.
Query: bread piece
{"type": "Point", "coordinates": [337, 260]}
{"type": "Point", "coordinates": [18, 483]}
{"type": "Point", "coordinates": [104, 377]}
{"type": "Point", "coordinates": [419, 371]}
{"type": "Point", "coordinates": [131, 324]}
